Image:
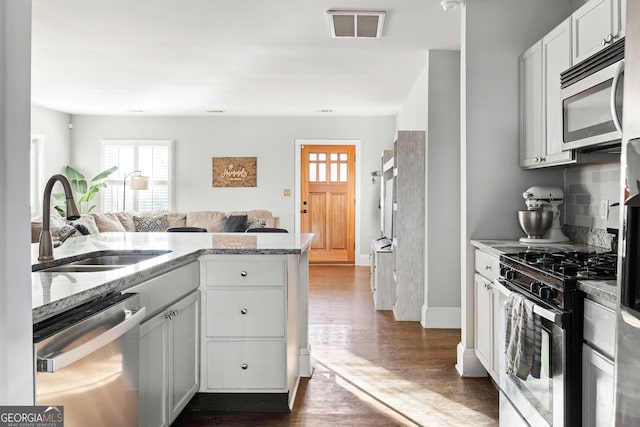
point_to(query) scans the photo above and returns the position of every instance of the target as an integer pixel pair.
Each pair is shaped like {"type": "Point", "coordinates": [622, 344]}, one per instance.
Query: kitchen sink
{"type": "Point", "coordinates": [79, 268]}
{"type": "Point", "coordinates": [100, 261]}
{"type": "Point", "coordinates": [121, 260]}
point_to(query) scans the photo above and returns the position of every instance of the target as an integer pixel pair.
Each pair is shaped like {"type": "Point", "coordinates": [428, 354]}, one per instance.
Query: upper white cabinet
{"type": "Point", "coordinates": [556, 57]}
{"type": "Point", "coordinates": [596, 25]}
{"type": "Point", "coordinates": [531, 124]}
{"type": "Point", "coordinates": [592, 27]}
{"type": "Point", "coordinates": [540, 102]}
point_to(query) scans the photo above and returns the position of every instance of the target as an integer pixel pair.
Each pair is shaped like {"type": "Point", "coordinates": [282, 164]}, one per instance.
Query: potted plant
{"type": "Point", "coordinates": [84, 192]}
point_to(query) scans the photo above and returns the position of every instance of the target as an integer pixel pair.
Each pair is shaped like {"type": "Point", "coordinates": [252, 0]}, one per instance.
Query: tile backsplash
{"type": "Point", "coordinates": [585, 188]}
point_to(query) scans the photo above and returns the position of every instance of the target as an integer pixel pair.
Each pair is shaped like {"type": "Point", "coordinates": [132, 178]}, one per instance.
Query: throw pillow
{"type": "Point", "coordinates": [107, 222]}
{"type": "Point", "coordinates": [213, 221]}
{"type": "Point", "coordinates": [235, 223]}
{"type": "Point", "coordinates": [257, 223]}
{"type": "Point", "coordinates": [151, 223]}
{"type": "Point", "coordinates": [81, 228]}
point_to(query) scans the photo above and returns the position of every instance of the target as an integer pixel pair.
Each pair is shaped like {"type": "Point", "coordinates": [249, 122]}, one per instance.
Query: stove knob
{"type": "Point", "coordinates": [511, 275]}
{"type": "Point", "coordinates": [547, 292]}
{"type": "Point", "coordinates": [503, 271]}
{"type": "Point", "coordinates": [534, 287]}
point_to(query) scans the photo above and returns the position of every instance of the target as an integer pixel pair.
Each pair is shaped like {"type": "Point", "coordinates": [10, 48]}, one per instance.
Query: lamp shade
{"type": "Point", "coordinates": [139, 182]}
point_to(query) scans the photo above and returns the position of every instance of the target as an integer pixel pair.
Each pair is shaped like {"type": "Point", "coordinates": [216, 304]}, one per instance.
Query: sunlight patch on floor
{"type": "Point", "coordinates": [404, 401]}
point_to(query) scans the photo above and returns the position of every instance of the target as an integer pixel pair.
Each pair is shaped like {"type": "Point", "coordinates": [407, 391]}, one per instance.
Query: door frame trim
{"type": "Point", "coordinates": [299, 142]}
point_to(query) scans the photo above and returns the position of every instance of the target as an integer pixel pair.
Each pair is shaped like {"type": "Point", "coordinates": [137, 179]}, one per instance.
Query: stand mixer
{"type": "Point", "coordinates": [546, 199]}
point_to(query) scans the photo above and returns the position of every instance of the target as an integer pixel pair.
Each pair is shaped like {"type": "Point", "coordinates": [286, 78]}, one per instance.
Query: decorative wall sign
{"type": "Point", "coordinates": [235, 171]}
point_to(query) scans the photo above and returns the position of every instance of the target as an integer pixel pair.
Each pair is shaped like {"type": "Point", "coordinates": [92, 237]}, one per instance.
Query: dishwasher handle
{"type": "Point", "coordinates": [61, 360]}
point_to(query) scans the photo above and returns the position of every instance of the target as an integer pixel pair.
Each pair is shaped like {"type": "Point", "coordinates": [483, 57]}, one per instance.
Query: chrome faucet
{"type": "Point", "coordinates": [45, 251]}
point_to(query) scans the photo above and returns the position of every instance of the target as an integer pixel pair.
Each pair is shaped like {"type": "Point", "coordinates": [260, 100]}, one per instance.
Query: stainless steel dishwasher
{"type": "Point", "coordinates": [87, 361]}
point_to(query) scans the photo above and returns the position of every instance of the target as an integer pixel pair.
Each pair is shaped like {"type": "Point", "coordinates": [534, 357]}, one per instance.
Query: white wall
{"type": "Point", "coordinates": [16, 356]}
{"type": "Point", "coordinates": [494, 33]}
{"type": "Point", "coordinates": [53, 126]}
{"type": "Point", "coordinates": [434, 105]}
{"type": "Point", "coordinates": [413, 114]}
{"type": "Point", "coordinates": [443, 197]}
{"type": "Point", "coordinates": [271, 140]}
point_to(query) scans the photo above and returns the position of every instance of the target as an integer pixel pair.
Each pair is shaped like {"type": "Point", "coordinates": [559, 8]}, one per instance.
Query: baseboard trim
{"type": "Point", "coordinates": [362, 259]}
{"type": "Point", "coordinates": [441, 317]}
{"type": "Point", "coordinates": [304, 358]}
{"type": "Point", "coordinates": [468, 364]}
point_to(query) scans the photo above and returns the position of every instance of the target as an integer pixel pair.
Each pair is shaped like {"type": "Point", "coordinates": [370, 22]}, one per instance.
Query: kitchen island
{"type": "Point", "coordinates": [245, 293]}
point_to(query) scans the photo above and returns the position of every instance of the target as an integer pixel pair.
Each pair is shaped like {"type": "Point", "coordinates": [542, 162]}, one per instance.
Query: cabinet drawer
{"type": "Point", "coordinates": [245, 313]}
{"type": "Point", "coordinates": [161, 291]}
{"type": "Point", "coordinates": [599, 327]}
{"type": "Point", "coordinates": [487, 265]}
{"type": "Point", "coordinates": [245, 271]}
{"type": "Point", "coordinates": [246, 365]}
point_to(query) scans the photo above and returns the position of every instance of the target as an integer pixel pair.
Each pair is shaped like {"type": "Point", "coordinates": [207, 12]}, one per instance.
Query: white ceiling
{"type": "Point", "coordinates": [246, 57]}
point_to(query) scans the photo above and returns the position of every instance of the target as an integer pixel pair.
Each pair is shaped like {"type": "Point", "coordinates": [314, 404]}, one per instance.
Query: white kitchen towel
{"type": "Point", "coordinates": [520, 336]}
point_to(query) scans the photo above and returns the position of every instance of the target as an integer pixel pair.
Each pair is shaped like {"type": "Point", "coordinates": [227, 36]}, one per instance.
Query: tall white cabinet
{"type": "Point", "coordinates": [409, 205]}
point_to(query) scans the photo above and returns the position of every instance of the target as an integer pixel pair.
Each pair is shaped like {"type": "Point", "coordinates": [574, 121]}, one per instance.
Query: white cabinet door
{"type": "Point", "coordinates": [169, 361]}
{"type": "Point", "coordinates": [154, 378]}
{"type": "Point", "coordinates": [484, 321]}
{"type": "Point", "coordinates": [597, 389]}
{"type": "Point", "coordinates": [556, 58]}
{"type": "Point", "coordinates": [531, 122]}
{"type": "Point", "coordinates": [184, 361]}
{"type": "Point", "coordinates": [596, 25]}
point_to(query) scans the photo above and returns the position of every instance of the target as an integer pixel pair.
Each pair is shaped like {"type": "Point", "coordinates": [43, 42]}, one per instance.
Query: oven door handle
{"type": "Point", "coordinates": [556, 317]}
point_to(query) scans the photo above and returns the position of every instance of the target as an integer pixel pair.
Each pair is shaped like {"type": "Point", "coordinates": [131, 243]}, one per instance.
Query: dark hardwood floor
{"type": "Point", "coordinates": [370, 370]}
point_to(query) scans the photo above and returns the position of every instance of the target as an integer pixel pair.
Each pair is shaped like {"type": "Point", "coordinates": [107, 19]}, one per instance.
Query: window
{"type": "Point", "coordinates": [154, 159]}
{"type": "Point", "coordinates": [36, 173]}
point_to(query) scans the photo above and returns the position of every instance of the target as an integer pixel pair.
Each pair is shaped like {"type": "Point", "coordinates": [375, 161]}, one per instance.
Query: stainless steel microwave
{"type": "Point", "coordinates": [591, 93]}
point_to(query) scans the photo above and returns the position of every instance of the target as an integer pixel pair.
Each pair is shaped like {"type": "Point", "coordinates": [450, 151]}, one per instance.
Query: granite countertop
{"type": "Point", "coordinates": [603, 291]}
{"type": "Point", "coordinates": [53, 293]}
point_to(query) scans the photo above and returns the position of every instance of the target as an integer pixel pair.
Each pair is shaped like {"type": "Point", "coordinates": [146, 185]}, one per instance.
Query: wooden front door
{"type": "Point", "coordinates": [328, 201]}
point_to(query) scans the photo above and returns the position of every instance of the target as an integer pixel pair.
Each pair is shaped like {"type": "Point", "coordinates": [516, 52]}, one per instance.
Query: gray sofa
{"type": "Point", "coordinates": [212, 221]}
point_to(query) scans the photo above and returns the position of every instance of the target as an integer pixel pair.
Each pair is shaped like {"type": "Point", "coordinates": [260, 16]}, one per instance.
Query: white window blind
{"type": "Point", "coordinates": [154, 159]}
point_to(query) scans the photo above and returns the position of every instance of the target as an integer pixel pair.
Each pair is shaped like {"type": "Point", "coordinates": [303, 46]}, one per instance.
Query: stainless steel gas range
{"type": "Point", "coordinates": [548, 278]}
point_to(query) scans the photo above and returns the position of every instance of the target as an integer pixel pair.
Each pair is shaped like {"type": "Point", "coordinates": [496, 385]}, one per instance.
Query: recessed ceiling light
{"type": "Point", "coordinates": [355, 24]}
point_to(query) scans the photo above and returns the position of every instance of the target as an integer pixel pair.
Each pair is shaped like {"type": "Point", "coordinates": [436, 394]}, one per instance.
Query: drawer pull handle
{"type": "Point", "coordinates": [487, 267]}
{"type": "Point", "coordinates": [245, 366]}
{"type": "Point", "coordinates": [243, 273]}
{"type": "Point", "coordinates": [243, 311]}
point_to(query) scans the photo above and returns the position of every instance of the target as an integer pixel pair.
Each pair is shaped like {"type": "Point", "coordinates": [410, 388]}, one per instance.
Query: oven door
{"type": "Point", "coordinates": [540, 401]}
{"type": "Point", "coordinates": [592, 109]}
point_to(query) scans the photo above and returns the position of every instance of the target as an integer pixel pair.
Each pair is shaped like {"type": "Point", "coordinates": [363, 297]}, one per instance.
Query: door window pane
{"type": "Point", "coordinates": [322, 172]}
{"type": "Point", "coordinates": [313, 172]}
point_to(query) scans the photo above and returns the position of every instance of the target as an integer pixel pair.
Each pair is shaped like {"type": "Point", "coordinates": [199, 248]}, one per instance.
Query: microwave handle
{"type": "Point", "coordinates": [614, 89]}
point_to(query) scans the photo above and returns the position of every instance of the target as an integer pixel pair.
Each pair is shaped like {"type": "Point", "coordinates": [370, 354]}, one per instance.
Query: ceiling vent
{"type": "Point", "coordinates": [355, 24]}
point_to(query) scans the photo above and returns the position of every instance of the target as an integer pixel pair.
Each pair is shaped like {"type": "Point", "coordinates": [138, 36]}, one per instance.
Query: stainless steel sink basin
{"type": "Point", "coordinates": [125, 259]}
{"type": "Point", "coordinates": [79, 268]}
{"type": "Point", "coordinates": [98, 261]}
